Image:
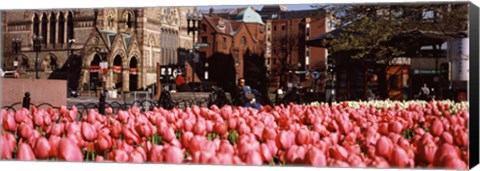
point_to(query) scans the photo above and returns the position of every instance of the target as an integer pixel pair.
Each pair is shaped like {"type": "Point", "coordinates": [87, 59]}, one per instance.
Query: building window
{"type": "Point", "coordinates": [274, 61]}
{"type": "Point", "coordinates": [307, 52]}
{"type": "Point", "coordinates": [274, 28]}
{"type": "Point", "coordinates": [36, 23]}
{"type": "Point", "coordinates": [203, 28]}
{"type": "Point", "coordinates": [284, 27]}
{"type": "Point", "coordinates": [307, 32]}
{"type": "Point", "coordinates": [110, 21]}
{"type": "Point", "coordinates": [274, 16]}
{"type": "Point", "coordinates": [268, 39]}
{"type": "Point", "coordinates": [204, 39]}
{"type": "Point", "coordinates": [244, 40]}
{"type": "Point", "coordinates": [331, 24]}
{"type": "Point", "coordinates": [129, 20]}
{"type": "Point", "coordinates": [61, 28]}
{"type": "Point", "coordinates": [268, 61]}
{"type": "Point", "coordinates": [53, 22]}
{"type": "Point", "coordinates": [428, 15]}
{"type": "Point", "coordinates": [44, 28]}
{"type": "Point", "coordinates": [224, 42]}
{"type": "Point", "coordinates": [70, 25]}
{"type": "Point", "coordinates": [268, 28]}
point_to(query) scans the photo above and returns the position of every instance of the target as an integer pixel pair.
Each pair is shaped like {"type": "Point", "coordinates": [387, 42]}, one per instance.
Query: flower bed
{"type": "Point", "coordinates": [348, 134]}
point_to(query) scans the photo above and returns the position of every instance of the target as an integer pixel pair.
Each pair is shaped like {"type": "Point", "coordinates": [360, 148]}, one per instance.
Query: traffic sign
{"type": "Point", "coordinates": [315, 75]}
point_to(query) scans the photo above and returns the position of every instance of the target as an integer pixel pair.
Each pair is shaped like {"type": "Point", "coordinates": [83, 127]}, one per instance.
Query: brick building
{"type": "Point", "coordinates": [230, 42]}
{"type": "Point", "coordinates": [285, 33]}
{"type": "Point", "coordinates": [135, 41]}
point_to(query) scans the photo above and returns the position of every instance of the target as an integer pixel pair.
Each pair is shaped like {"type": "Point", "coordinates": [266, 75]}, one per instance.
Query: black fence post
{"type": "Point", "coordinates": [26, 101]}
{"type": "Point", "coordinates": [165, 101]}
{"type": "Point", "coordinates": [101, 104]}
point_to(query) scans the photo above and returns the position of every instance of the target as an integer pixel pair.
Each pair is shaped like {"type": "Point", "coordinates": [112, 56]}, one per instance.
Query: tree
{"type": "Point", "coordinates": [285, 45]}
{"type": "Point", "coordinates": [382, 32]}
{"type": "Point", "coordinates": [369, 29]}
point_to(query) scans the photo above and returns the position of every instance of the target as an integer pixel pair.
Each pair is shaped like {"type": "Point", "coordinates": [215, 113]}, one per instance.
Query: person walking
{"type": "Point", "coordinates": [424, 92]}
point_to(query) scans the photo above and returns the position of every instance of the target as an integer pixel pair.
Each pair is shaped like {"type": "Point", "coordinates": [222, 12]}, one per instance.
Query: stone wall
{"type": "Point", "coordinates": [41, 91]}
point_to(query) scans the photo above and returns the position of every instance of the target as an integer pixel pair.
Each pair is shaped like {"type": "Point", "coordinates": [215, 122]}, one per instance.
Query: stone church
{"type": "Point", "coordinates": [132, 40]}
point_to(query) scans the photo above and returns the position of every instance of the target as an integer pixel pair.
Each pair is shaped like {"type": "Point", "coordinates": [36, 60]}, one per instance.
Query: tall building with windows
{"type": "Point", "coordinates": [285, 35]}
{"type": "Point", "coordinates": [131, 40]}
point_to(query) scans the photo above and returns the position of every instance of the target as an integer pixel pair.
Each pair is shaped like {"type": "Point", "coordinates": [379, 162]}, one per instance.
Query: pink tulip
{"type": "Point", "coordinates": [302, 137]}
{"type": "Point", "coordinates": [130, 135]}
{"type": "Point", "coordinates": [6, 148]}
{"type": "Point", "coordinates": [20, 116]}
{"type": "Point", "coordinates": [118, 155]}
{"type": "Point", "coordinates": [69, 151]}
{"type": "Point", "coordinates": [197, 143]}
{"type": "Point", "coordinates": [169, 135]}
{"type": "Point", "coordinates": [103, 143]}
{"type": "Point", "coordinates": [339, 153]}
{"type": "Point", "coordinates": [232, 123]}
{"type": "Point", "coordinates": [199, 128]}
{"type": "Point", "coordinates": [461, 138]}
{"type": "Point", "coordinates": [254, 158]}
{"type": "Point", "coordinates": [315, 157]}
{"type": "Point", "coordinates": [285, 140]}
{"type": "Point", "coordinates": [25, 130]}
{"type": "Point", "coordinates": [25, 152]}
{"type": "Point", "coordinates": [42, 148]}
{"type": "Point", "coordinates": [89, 132]}
{"type": "Point", "coordinates": [53, 142]}
{"type": "Point", "coordinates": [437, 127]}
{"type": "Point", "coordinates": [47, 119]}
{"type": "Point", "coordinates": [173, 155]}
{"type": "Point", "coordinates": [399, 158]}
{"type": "Point", "coordinates": [108, 111]}
{"type": "Point", "coordinates": [91, 117]}
{"type": "Point", "coordinates": [220, 128]}
{"type": "Point", "coordinates": [384, 147]}
{"type": "Point", "coordinates": [73, 128]}
{"type": "Point", "coordinates": [136, 157]}
{"type": "Point", "coordinates": [9, 123]}
{"type": "Point", "coordinates": [156, 154]}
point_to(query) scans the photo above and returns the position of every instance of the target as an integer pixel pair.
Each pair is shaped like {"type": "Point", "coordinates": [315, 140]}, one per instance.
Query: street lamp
{"type": "Point", "coordinates": [104, 71]}
{"type": "Point", "coordinates": [16, 45]}
{"type": "Point", "coordinates": [70, 44]}
{"type": "Point", "coordinates": [104, 68]}
{"type": "Point", "coordinates": [37, 45]}
{"type": "Point", "coordinates": [193, 26]}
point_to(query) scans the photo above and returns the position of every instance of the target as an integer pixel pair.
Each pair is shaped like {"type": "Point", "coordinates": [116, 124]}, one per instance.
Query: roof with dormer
{"type": "Point", "coordinates": [249, 16]}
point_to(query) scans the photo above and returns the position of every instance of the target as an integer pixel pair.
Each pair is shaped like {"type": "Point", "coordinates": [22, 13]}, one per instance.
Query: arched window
{"type": "Point", "coordinates": [61, 28]}
{"type": "Point", "coordinates": [53, 22]}
{"type": "Point", "coordinates": [129, 20]}
{"type": "Point", "coordinates": [244, 40]}
{"type": "Point", "coordinates": [110, 21]}
{"type": "Point", "coordinates": [224, 43]}
{"type": "Point", "coordinates": [70, 26]}
{"type": "Point", "coordinates": [36, 23]}
{"type": "Point", "coordinates": [44, 28]}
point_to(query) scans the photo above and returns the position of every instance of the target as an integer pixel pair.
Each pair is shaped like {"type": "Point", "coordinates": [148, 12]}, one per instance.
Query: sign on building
{"type": "Point", "coordinates": [458, 55]}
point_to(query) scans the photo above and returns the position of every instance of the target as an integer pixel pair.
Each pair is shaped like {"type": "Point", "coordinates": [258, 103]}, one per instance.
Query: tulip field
{"type": "Point", "coordinates": [383, 134]}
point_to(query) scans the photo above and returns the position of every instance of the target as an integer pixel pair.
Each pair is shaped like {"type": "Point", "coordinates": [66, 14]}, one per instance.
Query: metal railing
{"type": "Point", "coordinates": [143, 105]}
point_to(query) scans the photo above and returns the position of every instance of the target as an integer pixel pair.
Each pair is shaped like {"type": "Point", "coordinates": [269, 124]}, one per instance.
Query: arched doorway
{"type": "Point", "coordinates": [94, 72]}
{"type": "Point", "coordinates": [117, 72]}
{"type": "Point", "coordinates": [133, 84]}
